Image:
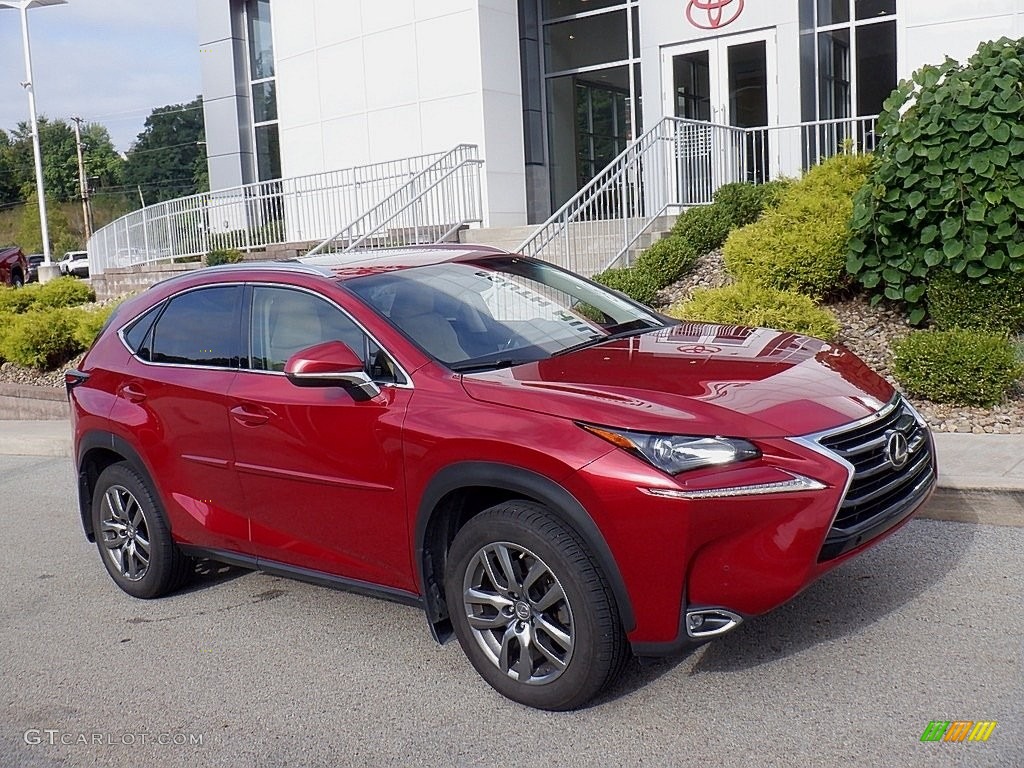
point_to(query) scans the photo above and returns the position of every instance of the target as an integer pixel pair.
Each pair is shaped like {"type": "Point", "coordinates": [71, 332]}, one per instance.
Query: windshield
{"type": "Point", "coordinates": [499, 312]}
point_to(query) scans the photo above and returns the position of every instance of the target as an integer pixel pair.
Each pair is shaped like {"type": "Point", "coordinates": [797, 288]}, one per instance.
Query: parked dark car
{"type": "Point", "coordinates": [13, 267]}
{"type": "Point", "coordinates": [558, 476]}
{"type": "Point", "coordinates": [34, 260]}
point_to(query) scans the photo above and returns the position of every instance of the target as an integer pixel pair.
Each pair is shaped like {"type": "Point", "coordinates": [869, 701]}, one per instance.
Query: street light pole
{"type": "Point", "coordinates": [45, 271]}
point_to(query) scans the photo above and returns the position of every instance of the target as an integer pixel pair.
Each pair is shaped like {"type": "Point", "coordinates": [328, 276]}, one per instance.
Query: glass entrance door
{"type": "Point", "coordinates": [727, 81]}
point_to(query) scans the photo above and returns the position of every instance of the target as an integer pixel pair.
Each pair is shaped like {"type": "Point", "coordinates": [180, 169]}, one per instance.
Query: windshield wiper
{"type": "Point", "coordinates": [490, 365]}
{"type": "Point", "coordinates": [623, 333]}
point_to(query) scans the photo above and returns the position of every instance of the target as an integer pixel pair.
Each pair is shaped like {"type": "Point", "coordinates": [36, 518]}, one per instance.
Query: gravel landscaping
{"type": "Point", "coordinates": [868, 332]}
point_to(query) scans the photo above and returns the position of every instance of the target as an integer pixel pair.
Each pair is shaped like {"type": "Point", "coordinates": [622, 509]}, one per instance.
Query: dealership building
{"type": "Point", "coordinates": [548, 90]}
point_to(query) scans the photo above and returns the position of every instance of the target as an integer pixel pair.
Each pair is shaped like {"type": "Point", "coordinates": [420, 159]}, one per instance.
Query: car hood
{"type": "Point", "coordinates": [696, 378]}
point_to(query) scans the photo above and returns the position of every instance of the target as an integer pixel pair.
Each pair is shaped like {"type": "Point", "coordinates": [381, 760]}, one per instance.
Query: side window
{"type": "Point", "coordinates": [137, 334]}
{"type": "Point", "coordinates": [201, 327]}
{"type": "Point", "coordinates": [286, 321]}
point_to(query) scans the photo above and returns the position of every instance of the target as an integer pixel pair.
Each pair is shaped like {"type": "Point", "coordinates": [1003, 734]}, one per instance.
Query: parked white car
{"type": "Point", "coordinates": [75, 263]}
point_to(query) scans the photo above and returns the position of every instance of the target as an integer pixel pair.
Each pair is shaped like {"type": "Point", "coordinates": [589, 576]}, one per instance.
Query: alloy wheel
{"type": "Point", "coordinates": [518, 613]}
{"type": "Point", "coordinates": [124, 533]}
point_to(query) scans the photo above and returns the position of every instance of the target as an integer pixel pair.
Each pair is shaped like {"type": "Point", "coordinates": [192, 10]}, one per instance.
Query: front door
{"type": "Point", "coordinates": [321, 471]}
{"type": "Point", "coordinates": [727, 81]}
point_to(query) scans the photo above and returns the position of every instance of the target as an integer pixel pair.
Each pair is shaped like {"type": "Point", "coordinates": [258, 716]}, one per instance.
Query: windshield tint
{"type": "Point", "coordinates": [498, 312]}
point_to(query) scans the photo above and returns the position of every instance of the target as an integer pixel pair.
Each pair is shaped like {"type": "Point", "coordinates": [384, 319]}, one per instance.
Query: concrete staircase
{"type": "Point", "coordinates": [593, 241]}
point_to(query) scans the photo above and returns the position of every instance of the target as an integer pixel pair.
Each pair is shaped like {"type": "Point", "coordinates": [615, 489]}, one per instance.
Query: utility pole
{"type": "Point", "coordinates": [83, 185]}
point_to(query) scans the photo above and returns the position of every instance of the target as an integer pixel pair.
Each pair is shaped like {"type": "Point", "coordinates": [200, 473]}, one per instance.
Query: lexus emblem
{"type": "Point", "coordinates": [713, 14]}
{"type": "Point", "coordinates": [897, 450]}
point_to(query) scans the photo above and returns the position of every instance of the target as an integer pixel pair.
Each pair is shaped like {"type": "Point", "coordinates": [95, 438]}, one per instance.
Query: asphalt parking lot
{"type": "Point", "coordinates": [269, 672]}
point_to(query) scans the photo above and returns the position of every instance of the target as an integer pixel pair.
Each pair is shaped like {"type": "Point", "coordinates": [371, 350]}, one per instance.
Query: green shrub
{"type": "Point", "coordinates": [947, 191]}
{"type": "Point", "coordinates": [741, 204]}
{"type": "Point", "coordinates": [703, 228]}
{"type": "Point", "coordinates": [639, 285]}
{"type": "Point", "coordinates": [89, 323]}
{"type": "Point", "coordinates": [64, 292]}
{"type": "Point", "coordinates": [18, 301]}
{"type": "Point", "coordinates": [800, 245]}
{"type": "Point", "coordinates": [963, 367]}
{"type": "Point", "coordinates": [41, 339]}
{"type": "Point", "coordinates": [957, 301]}
{"type": "Point", "coordinates": [220, 256]}
{"type": "Point", "coordinates": [758, 306]}
{"type": "Point", "coordinates": [667, 260]}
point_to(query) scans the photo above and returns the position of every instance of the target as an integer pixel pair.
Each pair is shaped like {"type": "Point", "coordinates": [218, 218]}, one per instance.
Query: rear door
{"type": "Point", "coordinates": [321, 471]}
{"type": "Point", "coordinates": [172, 401]}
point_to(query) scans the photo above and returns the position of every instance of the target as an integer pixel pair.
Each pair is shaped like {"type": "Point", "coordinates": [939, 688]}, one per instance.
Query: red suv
{"type": "Point", "coordinates": [556, 474]}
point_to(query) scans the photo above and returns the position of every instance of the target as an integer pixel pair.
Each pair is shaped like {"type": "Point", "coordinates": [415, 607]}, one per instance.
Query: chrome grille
{"type": "Point", "coordinates": [881, 494]}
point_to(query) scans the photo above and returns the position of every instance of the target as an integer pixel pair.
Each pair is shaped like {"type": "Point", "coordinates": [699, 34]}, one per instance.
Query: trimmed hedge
{"type": "Point", "coordinates": [741, 204]}
{"type": "Point", "coordinates": [89, 323]}
{"type": "Point", "coordinates": [758, 306]}
{"type": "Point", "coordinates": [41, 339]}
{"type": "Point", "coordinates": [800, 245]}
{"type": "Point", "coordinates": [639, 285]}
{"type": "Point", "coordinates": [62, 292]}
{"type": "Point", "coordinates": [957, 301]}
{"type": "Point", "coordinates": [220, 256]}
{"type": "Point", "coordinates": [703, 228]}
{"type": "Point", "coordinates": [961, 366]}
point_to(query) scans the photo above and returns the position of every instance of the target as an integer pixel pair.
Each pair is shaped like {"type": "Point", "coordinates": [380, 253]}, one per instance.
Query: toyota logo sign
{"type": "Point", "coordinates": [713, 14]}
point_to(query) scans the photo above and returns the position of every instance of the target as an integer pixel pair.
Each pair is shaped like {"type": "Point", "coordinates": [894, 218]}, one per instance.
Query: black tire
{"type": "Point", "coordinates": [126, 517]}
{"type": "Point", "coordinates": [562, 675]}
{"type": "Point", "coordinates": [17, 281]}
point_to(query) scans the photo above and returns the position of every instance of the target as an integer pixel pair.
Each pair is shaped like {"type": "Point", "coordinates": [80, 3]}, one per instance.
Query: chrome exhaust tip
{"type": "Point", "coordinates": [711, 622]}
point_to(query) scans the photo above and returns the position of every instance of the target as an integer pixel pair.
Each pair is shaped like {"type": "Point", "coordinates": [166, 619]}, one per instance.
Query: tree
{"type": "Point", "coordinates": [168, 159]}
{"type": "Point", "coordinates": [60, 159]}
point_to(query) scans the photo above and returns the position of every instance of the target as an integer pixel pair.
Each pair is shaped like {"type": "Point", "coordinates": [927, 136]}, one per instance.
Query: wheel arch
{"type": "Point", "coordinates": [460, 491]}
{"type": "Point", "coordinates": [96, 451]}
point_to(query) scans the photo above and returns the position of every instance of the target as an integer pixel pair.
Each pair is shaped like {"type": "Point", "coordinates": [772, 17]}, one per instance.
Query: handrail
{"type": "Point", "coordinates": [252, 216]}
{"type": "Point", "coordinates": [675, 165]}
{"type": "Point", "coordinates": [376, 220]}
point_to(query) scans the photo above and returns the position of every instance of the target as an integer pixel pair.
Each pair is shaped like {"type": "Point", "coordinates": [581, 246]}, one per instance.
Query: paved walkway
{"type": "Point", "coordinates": [981, 477]}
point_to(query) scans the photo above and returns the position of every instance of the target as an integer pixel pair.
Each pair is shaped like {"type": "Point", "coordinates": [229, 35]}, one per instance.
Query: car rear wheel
{"type": "Point", "coordinates": [530, 608]}
{"type": "Point", "coordinates": [132, 536]}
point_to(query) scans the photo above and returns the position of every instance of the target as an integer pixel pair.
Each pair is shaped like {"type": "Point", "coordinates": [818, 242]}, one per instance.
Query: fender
{"type": "Point", "coordinates": [106, 441]}
{"type": "Point", "coordinates": [519, 481]}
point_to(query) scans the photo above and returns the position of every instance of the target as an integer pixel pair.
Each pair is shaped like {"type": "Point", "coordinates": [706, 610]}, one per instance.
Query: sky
{"type": "Point", "coordinates": [106, 61]}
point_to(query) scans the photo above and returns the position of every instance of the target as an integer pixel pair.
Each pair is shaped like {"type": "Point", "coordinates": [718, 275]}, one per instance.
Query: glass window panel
{"type": "Point", "coordinates": [264, 101]}
{"type": "Point", "coordinates": [692, 75]}
{"type": "Point", "coordinates": [876, 66]}
{"type": "Point", "coordinates": [200, 328]}
{"type": "Point", "coordinates": [136, 336]}
{"type": "Point", "coordinates": [261, 44]}
{"type": "Point", "coordinates": [834, 74]}
{"type": "Point", "coordinates": [748, 85]}
{"type": "Point", "coordinates": [870, 9]}
{"type": "Point", "coordinates": [636, 32]}
{"type": "Point", "coordinates": [586, 42]}
{"type": "Point", "coordinates": [806, 14]}
{"type": "Point", "coordinates": [268, 152]}
{"type": "Point", "coordinates": [808, 85]}
{"type": "Point", "coordinates": [833, 12]}
{"type": "Point", "coordinates": [555, 8]}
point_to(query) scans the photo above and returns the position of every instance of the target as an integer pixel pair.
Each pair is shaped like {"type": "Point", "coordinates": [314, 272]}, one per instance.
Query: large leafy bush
{"type": "Point", "coordinates": [957, 301]}
{"type": "Point", "coordinates": [960, 366]}
{"type": "Point", "coordinates": [42, 339]}
{"type": "Point", "coordinates": [758, 306]}
{"type": "Point", "coordinates": [800, 244]}
{"type": "Point", "coordinates": [947, 191]}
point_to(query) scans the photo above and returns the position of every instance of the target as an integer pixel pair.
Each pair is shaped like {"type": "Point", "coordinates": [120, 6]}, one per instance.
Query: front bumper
{"type": "Point", "coordinates": [721, 557]}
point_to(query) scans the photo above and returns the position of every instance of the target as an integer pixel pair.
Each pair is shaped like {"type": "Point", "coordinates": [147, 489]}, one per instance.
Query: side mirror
{"type": "Point", "coordinates": [331, 364]}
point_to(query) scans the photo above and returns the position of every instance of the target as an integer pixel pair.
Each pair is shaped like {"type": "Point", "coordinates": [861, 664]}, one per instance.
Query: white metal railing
{"type": "Point", "coordinates": [676, 165]}
{"type": "Point", "coordinates": [253, 216]}
{"type": "Point", "coordinates": [432, 207]}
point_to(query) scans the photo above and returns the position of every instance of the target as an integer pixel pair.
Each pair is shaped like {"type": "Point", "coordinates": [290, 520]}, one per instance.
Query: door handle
{"type": "Point", "coordinates": [251, 415]}
{"type": "Point", "coordinates": [133, 393]}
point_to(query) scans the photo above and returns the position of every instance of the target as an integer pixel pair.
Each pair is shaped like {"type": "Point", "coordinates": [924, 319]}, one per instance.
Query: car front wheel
{"type": "Point", "coordinates": [530, 608]}
{"type": "Point", "coordinates": [132, 536]}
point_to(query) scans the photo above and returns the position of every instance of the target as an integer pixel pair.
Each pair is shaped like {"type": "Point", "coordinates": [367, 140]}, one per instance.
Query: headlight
{"type": "Point", "coordinates": [678, 453]}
